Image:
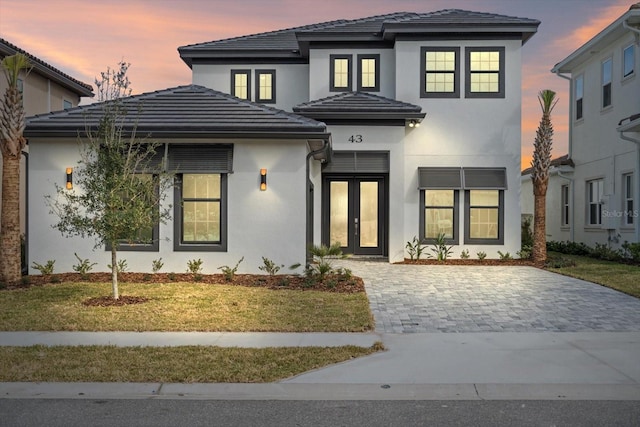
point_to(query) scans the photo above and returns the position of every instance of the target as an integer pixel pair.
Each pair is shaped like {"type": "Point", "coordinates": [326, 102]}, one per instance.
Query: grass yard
{"type": "Point", "coordinates": [622, 277]}
{"type": "Point", "coordinates": [188, 364]}
{"type": "Point", "coordinates": [183, 306]}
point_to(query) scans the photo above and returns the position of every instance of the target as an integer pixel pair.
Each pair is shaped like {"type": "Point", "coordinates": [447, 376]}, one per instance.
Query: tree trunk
{"type": "Point", "coordinates": [114, 271]}
{"type": "Point", "coordinates": [539, 252]}
{"type": "Point", "coordinates": [10, 263]}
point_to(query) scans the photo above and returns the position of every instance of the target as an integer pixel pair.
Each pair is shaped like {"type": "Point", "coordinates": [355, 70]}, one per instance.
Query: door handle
{"type": "Point", "coordinates": [356, 220]}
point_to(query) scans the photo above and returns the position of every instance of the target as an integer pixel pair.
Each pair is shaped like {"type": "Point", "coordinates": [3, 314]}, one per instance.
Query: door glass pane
{"type": "Point", "coordinates": [339, 213]}
{"type": "Point", "coordinates": [368, 215]}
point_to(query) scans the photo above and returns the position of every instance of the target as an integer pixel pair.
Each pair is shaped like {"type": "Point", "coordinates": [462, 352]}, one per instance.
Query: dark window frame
{"type": "Point", "coordinates": [467, 218]}
{"type": "Point", "coordinates": [332, 59]}
{"type": "Point", "coordinates": [246, 72]}
{"type": "Point", "coordinates": [455, 208]}
{"type": "Point", "coordinates": [376, 58]}
{"type": "Point", "coordinates": [179, 245]}
{"type": "Point", "coordinates": [628, 201]}
{"type": "Point", "coordinates": [258, 98]}
{"type": "Point", "coordinates": [423, 73]}
{"type": "Point", "coordinates": [607, 96]}
{"type": "Point", "coordinates": [501, 72]}
{"type": "Point", "coordinates": [578, 90]}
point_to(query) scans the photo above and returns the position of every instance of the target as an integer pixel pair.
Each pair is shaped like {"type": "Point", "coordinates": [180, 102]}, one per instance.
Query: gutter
{"type": "Point", "coordinates": [625, 25]}
{"type": "Point", "coordinates": [556, 71]}
{"type": "Point", "coordinates": [309, 198]}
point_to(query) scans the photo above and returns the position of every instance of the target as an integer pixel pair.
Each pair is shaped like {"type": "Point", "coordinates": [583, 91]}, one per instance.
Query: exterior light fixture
{"type": "Point", "coordinates": [69, 178]}
{"type": "Point", "coordinates": [414, 124]}
{"type": "Point", "coordinates": [263, 179]}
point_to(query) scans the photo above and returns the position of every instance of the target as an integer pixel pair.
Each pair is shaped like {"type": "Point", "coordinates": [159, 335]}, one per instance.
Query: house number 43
{"type": "Point", "coordinates": [355, 139]}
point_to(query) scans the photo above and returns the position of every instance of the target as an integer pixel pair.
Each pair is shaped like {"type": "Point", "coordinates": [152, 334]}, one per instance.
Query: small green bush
{"type": "Point", "coordinates": [84, 266]}
{"type": "Point", "coordinates": [156, 265]}
{"type": "Point", "coordinates": [46, 268]}
{"type": "Point", "coordinates": [505, 256]}
{"type": "Point", "coordinates": [194, 266]}
{"type": "Point", "coordinates": [441, 251]}
{"type": "Point", "coordinates": [631, 251]}
{"type": "Point", "coordinates": [269, 266]}
{"type": "Point", "coordinates": [481, 255]}
{"type": "Point", "coordinates": [228, 272]}
{"type": "Point", "coordinates": [465, 254]}
{"type": "Point", "coordinates": [121, 267]}
{"type": "Point", "coordinates": [414, 248]}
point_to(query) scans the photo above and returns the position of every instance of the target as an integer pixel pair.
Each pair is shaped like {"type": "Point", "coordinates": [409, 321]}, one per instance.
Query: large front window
{"type": "Point", "coordinates": [201, 200]}
{"type": "Point", "coordinates": [606, 83]}
{"type": "Point", "coordinates": [483, 209]}
{"type": "Point", "coordinates": [595, 191]}
{"type": "Point", "coordinates": [340, 72]}
{"type": "Point", "coordinates": [485, 72]}
{"type": "Point", "coordinates": [146, 238]}
{"type": "Point", "coordinates": [439, 72]}
{"type": "Point", "coordinates": [439, 214]}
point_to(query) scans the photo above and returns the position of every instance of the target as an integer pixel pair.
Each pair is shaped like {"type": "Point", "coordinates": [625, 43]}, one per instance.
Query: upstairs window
{"type": "Point", "coordinates": [66, 104]}
{"type": "Point", "coordinates": [266, 86]}
{"type": "Point", "coordinates": [369, 74]}
{"type": "Point", "coordinates": [340, 72]}
{"type": "Point", "coordinates": [628, 61]}
{"type": "Point", "coordinates": [564, 194]}
{"type": "Point", "coordinates": [440, 72]}
{"type": "Point", "coordinates": [241, 84]}
{"type": "Point", "coordinates": [578, 89]}
{"type": "Point", "coordinates": [485, 72]}
{"type": "Point", "coordinates": [606, 83]}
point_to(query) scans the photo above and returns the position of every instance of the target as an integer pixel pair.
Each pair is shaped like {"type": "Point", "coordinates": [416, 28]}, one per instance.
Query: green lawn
{"type": "Point", "coordinates": [622, 277]}
{"type": "Point", "coordinates": [183, 306]}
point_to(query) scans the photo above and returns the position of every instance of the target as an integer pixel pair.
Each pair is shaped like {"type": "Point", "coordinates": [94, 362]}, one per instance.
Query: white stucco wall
{"type": "Point", "coordinates": [292, 81]}
{"type": "Point", "coordinates": [553, 219]}
{"type": "Point", "coordinates": [596, 147]}
{"type": "Point", "coordinates": [260, 223]}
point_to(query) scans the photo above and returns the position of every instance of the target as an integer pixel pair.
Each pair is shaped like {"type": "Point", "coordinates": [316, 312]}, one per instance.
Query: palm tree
{"type": "Point", "coordinates": [12, 123]}
{"type": "Point", "coordinates": [540, 175]}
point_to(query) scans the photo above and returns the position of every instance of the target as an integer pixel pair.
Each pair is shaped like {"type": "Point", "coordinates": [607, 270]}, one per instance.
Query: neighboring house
{"type": "Point", "coordinates": [596, 199]}
{"type": "Point", "coordinates": [557, 207]}
{"type": "Point", "coordinates": [401, 125]}
{"type": "Point", "coordinates": [44, 89]}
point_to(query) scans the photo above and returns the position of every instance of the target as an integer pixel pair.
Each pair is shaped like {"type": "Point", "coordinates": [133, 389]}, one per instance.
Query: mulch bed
{"type": "Point", "coordinates": [500, 262]}
{"type": "Point", "coordinates": [331, 283]}
{"type": "Point", "coordinates": [108, 301]}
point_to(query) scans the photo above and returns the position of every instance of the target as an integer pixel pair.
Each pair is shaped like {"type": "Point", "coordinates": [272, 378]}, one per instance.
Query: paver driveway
{"type": "Point", "coordinates": [439, 298]}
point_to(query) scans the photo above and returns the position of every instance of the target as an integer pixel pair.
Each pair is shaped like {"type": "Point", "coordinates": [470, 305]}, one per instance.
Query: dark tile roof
{"type": "Point", "coordinates": [182, 111]}
{"type": "Point", "coordinates": [288, 43]}
{"type": "Point", "coordinates": [557, 162]}
{"type": "Point", "coordinates": [82, 89]}
{"type": "Point", "coordinates": [360, 102]}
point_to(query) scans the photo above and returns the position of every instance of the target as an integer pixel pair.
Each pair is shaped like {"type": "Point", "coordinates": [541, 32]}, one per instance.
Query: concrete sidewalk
{"type": "Point", "coordinates": [569, 365]}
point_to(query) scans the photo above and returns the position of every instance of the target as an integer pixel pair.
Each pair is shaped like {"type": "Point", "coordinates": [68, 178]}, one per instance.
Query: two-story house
{"type": "Point", "coordinates": [44, 89]}
{"type": "Point", "coordinates": [368, 132]}
{"type": "Point", "coordinates": [594, 195]}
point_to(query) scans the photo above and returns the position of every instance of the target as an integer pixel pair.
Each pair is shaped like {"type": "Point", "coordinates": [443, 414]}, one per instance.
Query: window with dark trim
{"type": "Point", "coordinates": [628, 61]}
{"type": "Point", "coordinates": [439, 72]}
{"type": "Point", "coordinates": [266, 86]}
{"type": "Point", "coordinates": [564, 206]}
{"type": "Point", "coordinates": [241, 84]}
{"type": "Point", "coordinates": [438, 215]}
{"type": "Point", "coordinates": [595, 191]}
{"type": "Point", "coordinates": [66, 104]}
{"type": "Point", "coordinates": [369, 73]}
{"type": "Point", "coordinates": [484, 216]}
{"type": "Point", "coordinates": [606, 82]}
{"type": "Point", "coordinates": [485, 73]}
{"type": "Point", "coordinates": [200, 194]}
{"type": "Point", "coordinates": [578, 89]}
{"type": "Point", "coordinates": [627, 183]}
{"type": "Point", "coordinates": [340, 73]}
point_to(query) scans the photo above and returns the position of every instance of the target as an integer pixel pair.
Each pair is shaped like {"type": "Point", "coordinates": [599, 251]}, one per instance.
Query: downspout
{"type": "Point", "coordinates": [637, 175]}
{"type": "Point", "coordinates": [26, 214]}
{"type": "Point", "coordinates": [557, 73]}
{"type": "Point", "coordinates": [309, 200]}
{"type": "Point", "coordinates": [625, 25]}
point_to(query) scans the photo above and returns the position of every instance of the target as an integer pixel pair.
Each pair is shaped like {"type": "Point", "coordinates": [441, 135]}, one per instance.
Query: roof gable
{"type": "Point", "coordinates": [182, 111]}
{"type": "Point", "coordinates": [65, 80]}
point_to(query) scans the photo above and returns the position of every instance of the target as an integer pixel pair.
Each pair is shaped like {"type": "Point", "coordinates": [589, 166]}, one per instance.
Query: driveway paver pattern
{"type": "Point", "coordinates": [440, 298]}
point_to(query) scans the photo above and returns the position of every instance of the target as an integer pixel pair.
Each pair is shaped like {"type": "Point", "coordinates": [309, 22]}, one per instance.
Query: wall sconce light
{"type": "Point", "coordinates": [414, 124]}
{"type": "Point", "coordinates": [69, 178]}
{"type": "Point", "coordinates": [263, 179]}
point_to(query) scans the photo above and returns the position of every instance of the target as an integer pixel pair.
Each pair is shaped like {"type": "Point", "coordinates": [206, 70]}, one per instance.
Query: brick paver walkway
{"type": "Point", "coordinates": [428, 298]}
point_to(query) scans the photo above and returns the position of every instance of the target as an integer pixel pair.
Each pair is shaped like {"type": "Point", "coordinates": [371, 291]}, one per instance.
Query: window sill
{"type": "Point", "coordinates": [185, 247]}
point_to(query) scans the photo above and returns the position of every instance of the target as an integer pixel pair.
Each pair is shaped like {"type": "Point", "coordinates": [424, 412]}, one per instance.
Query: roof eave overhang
{"type": "Point", "coordinates": [521, 31]}
{"type": "Point", "coordinates": [211, 56]}
{"type": "Point", "coordinates": [613, 31]}
{"type": "Point", "coordinates": [361, 115]}
{"type": "Point", "coordinates": [631, 126]}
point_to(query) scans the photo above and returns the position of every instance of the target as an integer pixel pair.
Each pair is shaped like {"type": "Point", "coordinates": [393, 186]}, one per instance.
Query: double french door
{"type": "Point", "coordinates": [354, 213]}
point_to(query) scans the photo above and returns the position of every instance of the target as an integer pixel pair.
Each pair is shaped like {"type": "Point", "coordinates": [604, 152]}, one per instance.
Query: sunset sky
{"type": "Point", "coordinates": [83, 38]}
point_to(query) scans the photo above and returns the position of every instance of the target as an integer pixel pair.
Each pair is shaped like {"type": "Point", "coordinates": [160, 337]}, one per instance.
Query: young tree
{"type": "Point", "coordinates": [540, 175]}
{"type": "Point", "coordinates": [118, 191]}
{"type": "Point", "coordinates": [12, 123]}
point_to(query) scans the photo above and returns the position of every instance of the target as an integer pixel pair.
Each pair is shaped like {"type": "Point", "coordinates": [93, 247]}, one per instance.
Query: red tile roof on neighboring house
{"type": "Point", "coordinates": [82, 89]}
